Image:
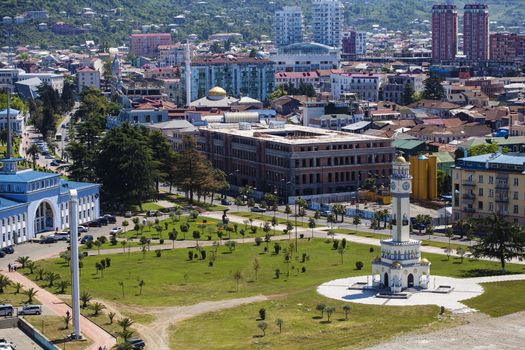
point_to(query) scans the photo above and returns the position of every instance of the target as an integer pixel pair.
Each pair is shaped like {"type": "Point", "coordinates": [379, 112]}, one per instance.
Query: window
{"type": "Point", "coordinates": [515, 209]}
{"type": "Point", "coordinates": [480, 192]}
{"type": "Point", "coordinates": [516, 181]}
{"type": "Point", "coordinates": [491, 206]}
{"type": "Point", "coordinates": [515, 196]}
{"type": "Point", "coordinates": [491, 179]}
{"type": "Point", "coordinates": [491, 193]}
{"type": "Point", "coordinates": [480, 179]}
{"type": "Point", "coordinates": [480, 205]}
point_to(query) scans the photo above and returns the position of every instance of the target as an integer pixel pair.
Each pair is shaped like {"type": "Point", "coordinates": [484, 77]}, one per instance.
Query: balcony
{"type": "Point", "coordinates": [502, 186]}
{"type": "Point", "coordinates": [469, 196]}
{"type": "Point", "coordinates": [469, 210]}
{"type": "Point", "coordinates": [502, 199]}
{"type": "Point", "coordinates": [469, 183]}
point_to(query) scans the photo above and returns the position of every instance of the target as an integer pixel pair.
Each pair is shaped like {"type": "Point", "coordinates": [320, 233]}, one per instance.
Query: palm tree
{"type": "Point", "coordinates": [31, 266]}
{"type": "Point", "coordinates": [30, 293]}
{"type": "Point", "coordinates": [121, 284]}
{"type": "Point", "coordinates": [85, 297]}
{"type": "Point", "coordinates": [62, 285]}
{"type": "Point", "coordinates": [262, 326]}
{"type": "Point", "coordinates": [280, 324]}
{"type": "Point", "coordinates": [329, 311]}
{"type": "Point", "coordinates": [123, 244]}
{"type": "Point", "coordinates": [97, 307]}
{"type": "Point", "coordinates": [141, 285]}
{"type": "Point", "coordinates": [23, 260]}
{"type": "Point", "coordinates": [256, 266]}
{"type": "Point", "coordinates": [125, 323]}
{"type": "Point", "coordinates": [51, 277]}
{"type": "Point", "coordinates": [125, 334]}
{"type": "Point", "coordinates": [17, 286]}
{"type": "Point", "coordinates": [40, 272]}
{"type": "Point", "coordinates": [311, 224]}
{"type": "Point", "coordinates": [67, 319]}
{"type": "Point", "coordinates": [4, 282]}
{"type": "Point", "coordinates": [111, 316]}
{"type": "Point", "coordinates": [341, 251]}
{"type": "Point", "coordinates": [346, 310]}
{"type": "Point", "coordinates": [98, 244]}
{"type": "Point", "coordinates": [33, 152]}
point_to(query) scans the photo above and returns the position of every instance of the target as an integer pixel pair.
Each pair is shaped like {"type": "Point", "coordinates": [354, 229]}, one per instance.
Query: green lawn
{"type": "Point", "coordinates": [303, 329]}
{"type": "Point", "coordinates": [205, 225]}
{"type": "Point", "coordinates": [424, 242]}
{"type": "Point", "coordinates": [500, 298]}
{"type": "Point", "coordinates": [148, 206]}
{"type": "Point", "coordinates": [10, 297]}
{"type": "Point", "coordinates": [301, 222]}
{"type": "Point", "coordinates": [172, 279]}
{"type": "Point", "coordinates": [53, 327]}
{"type": "Point", "coordinates": [119, 245]}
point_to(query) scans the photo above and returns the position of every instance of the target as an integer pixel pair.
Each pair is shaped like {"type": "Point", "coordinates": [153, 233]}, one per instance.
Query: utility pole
{"type": "Point", "coordinates": [75, 282]}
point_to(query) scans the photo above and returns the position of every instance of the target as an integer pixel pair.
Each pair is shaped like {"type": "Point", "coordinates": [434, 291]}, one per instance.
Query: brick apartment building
{"type": "Point", "coordinates": [297, 160]}
{"type": "Point", "coordinates": [148, 44]}
{"type": "Point", "coordinates": [476, 32]}
{"type": "Point", "coordinates": [507, 47]}
{"type": "Point", "coordinates": [444, 32]}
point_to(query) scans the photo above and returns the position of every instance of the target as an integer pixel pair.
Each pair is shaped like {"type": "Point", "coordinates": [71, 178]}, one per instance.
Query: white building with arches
{"type": "Point", "coordinates": [400, 265]}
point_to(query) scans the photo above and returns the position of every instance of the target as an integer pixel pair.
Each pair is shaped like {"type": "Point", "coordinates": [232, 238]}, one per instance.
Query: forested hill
{"type": "Point", "coordinates": [114, 19]}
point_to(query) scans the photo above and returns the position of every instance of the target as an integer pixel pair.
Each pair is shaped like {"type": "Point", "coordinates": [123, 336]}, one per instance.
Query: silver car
{"type": "Point", "coordinates": [30, 310]}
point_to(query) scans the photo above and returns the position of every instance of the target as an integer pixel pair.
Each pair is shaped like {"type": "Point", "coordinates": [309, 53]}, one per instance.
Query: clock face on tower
{"type": "Point", "coordinates": [406, 185]}
{"type": "Point", "coordinates": [393, 186]}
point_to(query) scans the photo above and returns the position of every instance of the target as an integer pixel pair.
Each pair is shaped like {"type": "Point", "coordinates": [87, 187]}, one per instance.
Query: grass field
{"type": "Point", "coordinates": [10, 297]}
{"type": "Point", "coordinates": [205, 225]}
{"type": "Point", "coordinates": [303, 327]}
{"type": "Point", "coordinates": [500, 298]}
{"type": "Point", "coordinates": [53, 327]}
{"type": "Point", "coordinates": [172, 279]}
{"type": "Point", "coordinates": [119, 245]}
{"type": "Point", "coordinates": [268, 217]}
{"type": "Point", "coordinates": [424, 242]}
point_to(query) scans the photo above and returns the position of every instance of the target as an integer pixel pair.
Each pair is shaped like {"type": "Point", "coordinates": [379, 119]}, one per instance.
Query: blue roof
{"type": "Point", "coordinates": [12, 112]}
{"type": "Point", "coordinates": [497, 158]}
{"type": "Point", "coordinates": [26, 176]}
{"type": "Point", "coordinates": [7, 203]}
{"type": "Point", "coordinates": [66, 185]}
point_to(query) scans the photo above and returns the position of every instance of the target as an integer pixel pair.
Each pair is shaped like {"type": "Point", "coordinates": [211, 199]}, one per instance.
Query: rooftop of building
{"type": "Point", "coordinates": [7, 203]}
{"type": "Point", "coordinates": [140, 35]}
{"type": "Point", "coordinates": [514, 162]}
{"type": "Point", "coordinates": [24, 176]}
{"type": "Point", "coordinates": [66, 185]}
{"type": "Point", "coordinates": [293, 134]}
{"type": "Point", "coordinates": [227, 59]}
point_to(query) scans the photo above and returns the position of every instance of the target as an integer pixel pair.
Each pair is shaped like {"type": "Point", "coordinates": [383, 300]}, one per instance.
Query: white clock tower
{"type": "Point", "coordinates": [400, 265]}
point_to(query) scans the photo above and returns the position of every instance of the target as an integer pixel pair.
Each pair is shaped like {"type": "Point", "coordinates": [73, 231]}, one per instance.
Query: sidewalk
{"type": "Point", "coordinates": [89, 329]}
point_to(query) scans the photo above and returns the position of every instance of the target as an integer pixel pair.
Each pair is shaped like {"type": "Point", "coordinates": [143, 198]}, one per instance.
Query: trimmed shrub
{"type": "Point", "coordinates": [359, 265]}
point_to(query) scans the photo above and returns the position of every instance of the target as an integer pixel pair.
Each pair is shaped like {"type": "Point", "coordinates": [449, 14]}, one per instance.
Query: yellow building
{"type": "Point", "coordinates": [489, 184]}
{"type": "Point", "coordinates": [423, 169]}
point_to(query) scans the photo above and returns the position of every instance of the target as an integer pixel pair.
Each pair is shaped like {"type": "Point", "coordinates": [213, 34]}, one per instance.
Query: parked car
{"type": "Point", "coordinates": [136, 343]}
{"type": "Point", "coordinates": [30, 310]}
{"type": "Point", "coordinates": [103, 221]}
{"type": "Point", "coordinates": [9, 250]}
{"type": "Point", "coordinates": [49, 156]}
{"type": "Point", "coordinates": [54, 163]}
{"type": "Point", "coordinates": [2, 254]}
{"type": "Point", "coordinates": [325, 213]}
{"type": "Point", "coordinates": [128, 214]}
{"type": "Point", "coordinates": [82, 229]}
{"type": "Point", "coordinates": [95, 223]}
{"type": "Point", "coordinates": [86, 238]}
{"type": "Point", "coordinates": [150, 213]}
{"type": "Point", "coordinates": [6, 310]}
{"type": "Point", "coordinates": [116, 230]}
{"type": "Point", "coordinates": [48, 240]}
{"type": "Point", "coordinates": [258, 210]}
{"type": "Point", "coordinates": [224, 201]}
{"type": "Point", "coordinates": [110, 218]}
{"type": "Point", "coordinates": [61, 236]}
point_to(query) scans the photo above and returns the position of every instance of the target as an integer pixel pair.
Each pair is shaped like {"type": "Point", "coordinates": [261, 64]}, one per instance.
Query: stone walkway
{"type": "Point", "coordinates": [464, 288]}
{"type": "Point", "coordinates": [98, 335]}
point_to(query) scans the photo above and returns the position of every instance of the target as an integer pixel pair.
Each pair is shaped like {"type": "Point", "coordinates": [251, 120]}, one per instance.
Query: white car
{"type": "Point", "coordinates": [30, 310]}
{"type": "Point", "coordinates": [116, 230]}
{"type": "Point", "coordinates": [82, 229]}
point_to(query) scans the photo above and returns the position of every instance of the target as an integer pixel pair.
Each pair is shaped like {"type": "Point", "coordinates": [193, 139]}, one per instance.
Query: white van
{"type": "Point", "coordinates": [6, 310]}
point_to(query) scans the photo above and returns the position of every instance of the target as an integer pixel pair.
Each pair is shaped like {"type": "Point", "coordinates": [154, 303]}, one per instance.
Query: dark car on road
{"type": "Point", "coordinates": [110, 218]}
{"type": "Point", "coordinates": [2, 254]}
{"type": "Point", "coordinates": [86, 238]}
{"type": "Point", "coordinates": [95, 223]}
{"type": "Point", "coordinates": [258, 210]}
{"type": "Point", "coordinates": [103, 221]}
{"type": "Point", "coordinates": [48, 239]}
{"type": "Point", "coordinates": [136, 343]}
{"type": "Point", "coordinates": [9, 250]}
{"type": "Point", "coordinates": [224, 201]}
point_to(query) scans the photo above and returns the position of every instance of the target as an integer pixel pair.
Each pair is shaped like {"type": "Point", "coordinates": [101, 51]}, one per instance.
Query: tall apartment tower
{"type": "Point", "coordinates": [327, 22]}
{"type": "Point", "coordinates": [288, 26]}
{"type": "Point", "coordinates": [444, 32]}
{"type": "Point", "coordinates": [476, 32]}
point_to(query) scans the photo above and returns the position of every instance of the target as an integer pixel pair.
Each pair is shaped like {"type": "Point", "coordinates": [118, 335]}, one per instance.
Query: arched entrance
{"type": "Point", "coordinates": [410, 281]}
{"type": "Point", "coordinates": [385, 281]}
{"type": "Point", "coordinates": [44, 220]}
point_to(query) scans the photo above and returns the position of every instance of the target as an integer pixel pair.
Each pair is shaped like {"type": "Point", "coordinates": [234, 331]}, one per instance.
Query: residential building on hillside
{"type": "Point", "coordinates": [148, 44]}
{"type": "Point", "coordinates": [8, 77]}
{"type": "Point", "coordinates": [288, 26]}
{"type": "Point", "coordinates": [489, 184]}
{"type": "Point", "coordinates": [296, 79]}
{"type": "Point", "coordinates": [394, 90]}
{"type": "Point", "coordinates": [237, 75]}
{"type": "Point", "coordinates": [87, 77]}
{"type": "Point", "coordinates": [476, 32]}
{"type": "Point", "coordinates": [327, 22]}
{"type": "Point", "coordinates": [366, 86]}
{"type": "Point", "coordinates": [507, 47]}
{"type": "Point", "coordinates": [444, 32]}
{"type": "Point", "coordinates": [17, 120]}
{"type": "Point", "coordinates": [305, 57]}
{"type": "Point", "coordinates": [296, 160]}
{"type": "Point", "coordinates": [171, 55]}
{"type": "Point", "coordinates": [353, 44]}
{"type": "Point", "coordinates": [56, 81]}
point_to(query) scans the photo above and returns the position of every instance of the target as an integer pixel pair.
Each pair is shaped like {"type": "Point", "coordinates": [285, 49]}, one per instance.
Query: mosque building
{"type": "Point", "coordinates": [32, 202]}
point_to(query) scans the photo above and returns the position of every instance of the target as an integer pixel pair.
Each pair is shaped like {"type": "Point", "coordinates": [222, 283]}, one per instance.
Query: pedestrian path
{"type": "Point", "coordinates": [89, 329]}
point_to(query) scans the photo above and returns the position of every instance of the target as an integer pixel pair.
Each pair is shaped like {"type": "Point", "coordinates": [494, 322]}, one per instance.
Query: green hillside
{"type": "Point", "coordinates": [252, 18]}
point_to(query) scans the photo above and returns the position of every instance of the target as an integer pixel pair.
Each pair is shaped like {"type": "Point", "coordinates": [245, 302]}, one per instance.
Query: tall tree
{"type": "Point", "coordinates": [162, 153]}
{"type": "Point", "coordinates": [500, 240]}
{"type": "Point", "coordinates": [408, 94]}
{"type": "Point", "coordinates": [433, 88]}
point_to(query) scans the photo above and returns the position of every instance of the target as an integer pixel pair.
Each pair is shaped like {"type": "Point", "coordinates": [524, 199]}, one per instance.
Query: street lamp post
{"type": "Point", "coordinates": [295, 205]}
{"type": "Point", "coordinates": [75, 282]}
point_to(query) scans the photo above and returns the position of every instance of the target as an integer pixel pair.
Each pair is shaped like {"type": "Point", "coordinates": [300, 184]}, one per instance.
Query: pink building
{"type": "Point", "coordinates": [444, 32]}
{"type": "Point", "coordinates": [148, 44]}
{"type": "Point", "coordinates": [87, 77]}
{"type": "Point", "coordinates": [476, 32]}
{"type": "Point", "coordinates": [507, 47]}
{"type": "Point", "coordinates": [296, 78]}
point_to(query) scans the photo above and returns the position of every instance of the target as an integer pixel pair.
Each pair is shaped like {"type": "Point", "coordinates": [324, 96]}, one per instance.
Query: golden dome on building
{"type": "Point", "coordinates": [424, 261]}
{"type": "Point", "coordinates": [400, 159]}
{"type": "Point", "coordinates": [217, 92]}
{"type": "Point", "coordinates": [396, 265]}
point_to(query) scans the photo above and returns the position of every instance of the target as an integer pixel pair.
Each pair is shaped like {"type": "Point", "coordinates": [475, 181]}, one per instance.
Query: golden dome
{"type": "Point", "coordinates": [376, 259]}
{"type": "Point", "coordinates": [217, 91]}
{"type": "Point", "coordinates": [396, 265]}
{"type": "Point", "coordinates": [424, 261]}
{"type": "Point", "coordinates": [400, 159]}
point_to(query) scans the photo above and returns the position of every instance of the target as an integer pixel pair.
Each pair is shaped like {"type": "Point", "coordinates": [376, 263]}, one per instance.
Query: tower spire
{"type": "Point", "coordinates": [188, 73]}
{"type": "Point", "coordinates": [9, 136]}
